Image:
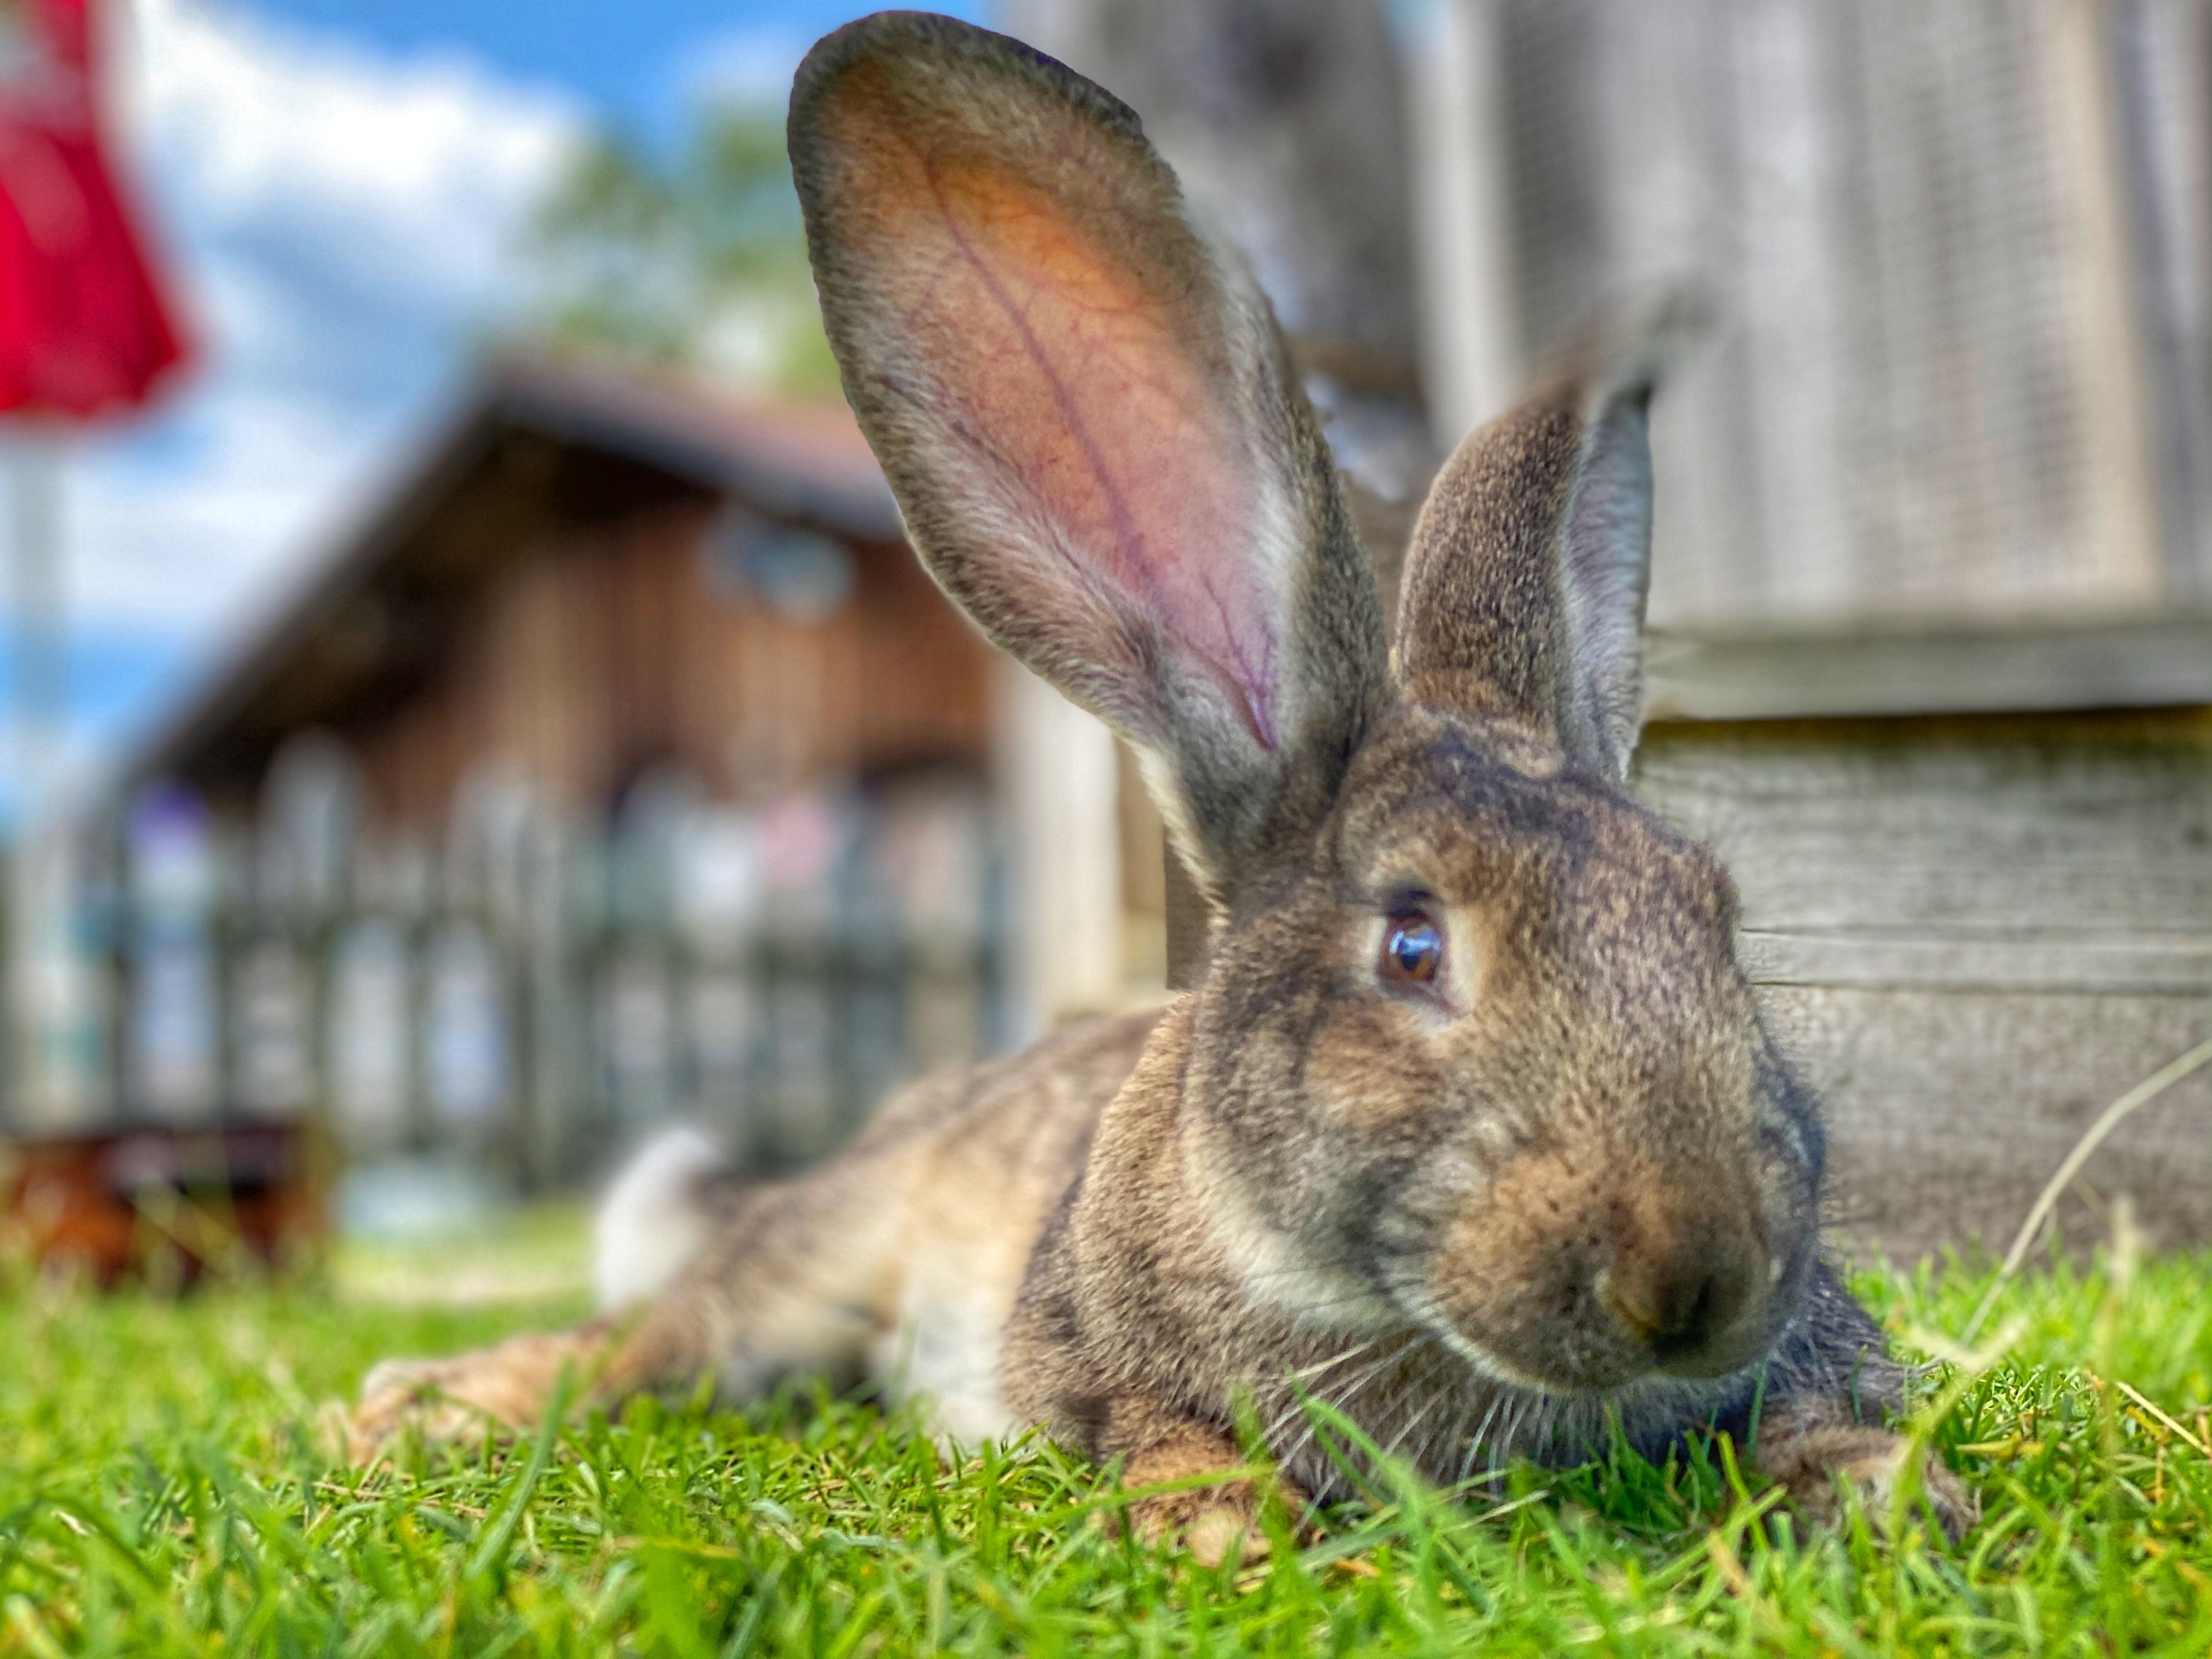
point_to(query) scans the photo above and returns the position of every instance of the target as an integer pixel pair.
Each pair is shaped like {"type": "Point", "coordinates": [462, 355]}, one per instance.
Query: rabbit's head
{"type": "Point", "coordinates": [1471, 1049]}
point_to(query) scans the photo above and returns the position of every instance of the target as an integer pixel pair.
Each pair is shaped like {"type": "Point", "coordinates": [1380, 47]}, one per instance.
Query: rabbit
{"type": "Point", "coordinates": [1470, 1126]}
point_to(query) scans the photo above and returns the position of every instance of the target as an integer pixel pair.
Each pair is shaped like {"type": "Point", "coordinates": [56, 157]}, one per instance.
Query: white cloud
{"type": "Point", "coordinates": [341, 224]}
{"type": "Point", "coordinates": [407, 173]}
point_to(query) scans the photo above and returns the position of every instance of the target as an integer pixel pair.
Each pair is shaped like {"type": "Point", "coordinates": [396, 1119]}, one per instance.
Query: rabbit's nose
{"type": "Point", "coordinates": [1680, 1302]}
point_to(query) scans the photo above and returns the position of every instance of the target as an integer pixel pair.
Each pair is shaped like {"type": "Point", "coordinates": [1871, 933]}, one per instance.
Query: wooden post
{"type": "Point", "coordinates": [1285, 120]}
{"type": "Point", "coordinates": [42, 988]}
{"type": "Point", "coordinates": [2123, 563]}
{"type": "Point", "coordinates": [1061, 780]}
{"type": "Point", "coordinates": [1462, 232]}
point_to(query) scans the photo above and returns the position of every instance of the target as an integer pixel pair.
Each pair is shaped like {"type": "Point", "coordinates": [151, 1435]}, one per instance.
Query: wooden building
{"type": "Point", "coordinates": [1931, 653]}
{"type": "Point", "coordinates": [504, 800]}
{"type": "Point", "coordinates": [592, 576]}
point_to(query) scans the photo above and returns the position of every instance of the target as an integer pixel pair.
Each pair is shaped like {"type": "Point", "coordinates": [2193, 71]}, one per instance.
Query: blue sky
{"type": "Point", "coordinates": [338, 187]}
{"type": "Point", "coordinates": [637, 61]}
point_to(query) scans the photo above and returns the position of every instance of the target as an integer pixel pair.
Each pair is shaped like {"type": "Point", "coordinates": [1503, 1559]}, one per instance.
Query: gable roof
{"type": "Point", "coordinates": [573, 437]}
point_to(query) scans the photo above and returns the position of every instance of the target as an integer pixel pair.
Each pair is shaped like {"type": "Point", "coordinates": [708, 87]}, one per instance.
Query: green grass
{"type": "Point", "coordinates": [167, 1486]}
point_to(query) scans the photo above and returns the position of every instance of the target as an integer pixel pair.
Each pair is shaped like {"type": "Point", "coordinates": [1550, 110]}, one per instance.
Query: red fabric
{"type": "Point", "coordinates": [83, 329]}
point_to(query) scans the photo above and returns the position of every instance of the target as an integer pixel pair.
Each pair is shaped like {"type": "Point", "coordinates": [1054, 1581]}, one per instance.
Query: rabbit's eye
{"type": "Point", "coordinates": [1412, 949]}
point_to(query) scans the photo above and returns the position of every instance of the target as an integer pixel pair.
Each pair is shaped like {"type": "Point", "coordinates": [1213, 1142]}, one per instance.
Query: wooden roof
{"type": "Point", "coordinates": [534, 444]}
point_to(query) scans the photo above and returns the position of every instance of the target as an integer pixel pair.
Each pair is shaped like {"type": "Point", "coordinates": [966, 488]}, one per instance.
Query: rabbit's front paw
{"type": "Point", "coordinates": [505, 1388]}
{"type": "Point", "coordinates": [1214, 1523]}
{"type": "Point", "coordinates": [1812, 1463]}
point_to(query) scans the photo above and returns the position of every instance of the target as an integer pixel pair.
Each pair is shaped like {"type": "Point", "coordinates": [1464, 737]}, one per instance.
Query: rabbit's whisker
{"type": "Point", "coordinates": [1363, 1297]}
{"type": "Point", "coordinates": [1301, 1403]}
{"type": "Point", "coordinates": [1365, 1263]}
{"type": "Point", "coordinates": [1383, 1350]}
{"type": "Point", "coordinates": [1306, 1373]}
{"type": "Point", "coordinates": [1437, 1397]}
{"type": "Point", "coordinates": [1474, 1441]}
{"type": "Point", "coordinates": [1309, 1374]}
{"type": "Point", "coordinates": [1343, 1401]}
{"type": "Point", "coordinates": [1509, 1434]}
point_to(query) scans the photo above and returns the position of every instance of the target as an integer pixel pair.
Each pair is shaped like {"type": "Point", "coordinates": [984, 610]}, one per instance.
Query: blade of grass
{"type": "Point", "coordinates": [2092, 1137]}
{"type": "Point", "coordinates": [491, 1544]}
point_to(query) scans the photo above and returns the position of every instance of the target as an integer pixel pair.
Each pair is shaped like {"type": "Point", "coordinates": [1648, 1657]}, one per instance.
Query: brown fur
{"type": "Point", "coordinates": [1482, 569]}
{"type": "Point", "coordinates": [1817, 1465]}
{"type": "Point", "coordinates": [1564, 1191]}
{"type": "Point", "coordinates": [1216, 1520]}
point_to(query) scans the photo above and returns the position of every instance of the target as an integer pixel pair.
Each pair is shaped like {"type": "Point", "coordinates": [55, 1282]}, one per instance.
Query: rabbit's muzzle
{"type": "Point", "coordinates": [1571, 1279]}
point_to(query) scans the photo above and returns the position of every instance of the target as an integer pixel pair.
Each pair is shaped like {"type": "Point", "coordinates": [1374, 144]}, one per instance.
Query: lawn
{"type": "Point", "coordinates": [168, 1484]}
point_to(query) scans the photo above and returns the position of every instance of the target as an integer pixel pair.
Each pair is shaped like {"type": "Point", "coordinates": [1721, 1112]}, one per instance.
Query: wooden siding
{"type": "Point", "coordinates": [607, 650]}
{"type": "Point", "coordinates": [1940, 471]}
{"type": "Point", "coordinates": [1955, 255]}
{"type": "Point", "coordinates": [2162, 60]}
{"type": "Point", "coordinates": [1972, 934]}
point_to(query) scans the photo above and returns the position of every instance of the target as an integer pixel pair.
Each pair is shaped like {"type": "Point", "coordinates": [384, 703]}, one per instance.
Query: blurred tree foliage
{"type": "Point", "coordinates": [696, 258]}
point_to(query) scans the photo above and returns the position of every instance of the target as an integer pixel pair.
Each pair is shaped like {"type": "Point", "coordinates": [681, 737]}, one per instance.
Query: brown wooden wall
{"type": "Point", "coordinates": [1972, 934]}
{"type": "Point", "coordinates": [1953, 257]}
{"type": "Point", "coordinates": [608, 651]}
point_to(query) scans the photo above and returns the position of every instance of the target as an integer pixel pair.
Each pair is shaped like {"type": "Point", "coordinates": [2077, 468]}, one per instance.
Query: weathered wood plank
{"type": "Point", "coordinates": [1972, 934]}
{"type": "Point", "coordinates": [1973, 828]}
{"type": "Point", "coordinates": [2065, 962]}
{"type": "Point", "coordinates": [1924, 395]}
{"type": "Point", "coordinates": [2163, 62]}
{"type": "Point", "coordinates": [1949, 1111]}
{"type": "Point", "coordinates": [2083, 664]}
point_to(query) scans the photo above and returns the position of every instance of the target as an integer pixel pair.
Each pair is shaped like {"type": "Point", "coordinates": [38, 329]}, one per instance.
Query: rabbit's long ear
{"type": "Point", "coordinates": [1089, 420]}
{"type": "Point", "coordinates": [1524, 590]}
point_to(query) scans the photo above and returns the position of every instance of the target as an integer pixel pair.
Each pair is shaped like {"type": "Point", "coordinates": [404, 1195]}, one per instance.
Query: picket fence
{"type": "Point", "coordinates": [537, 990]}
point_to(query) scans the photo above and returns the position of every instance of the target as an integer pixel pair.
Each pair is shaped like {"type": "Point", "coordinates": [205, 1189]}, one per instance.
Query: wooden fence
{"type": "Point", "coordinates": [536, 992]}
